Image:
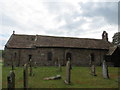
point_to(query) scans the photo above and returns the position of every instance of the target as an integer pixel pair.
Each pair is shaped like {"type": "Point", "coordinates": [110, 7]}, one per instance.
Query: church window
{"type": "Point", "coordinates": [49, 56]}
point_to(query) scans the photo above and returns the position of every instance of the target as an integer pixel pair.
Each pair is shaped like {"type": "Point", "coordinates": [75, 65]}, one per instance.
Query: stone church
{"type": "Point", "coordinates": [51, 50]}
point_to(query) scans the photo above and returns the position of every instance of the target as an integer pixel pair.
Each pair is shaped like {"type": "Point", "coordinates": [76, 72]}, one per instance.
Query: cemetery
{"type": "Point", "coordinates": [59, 77]}
{"type": "Point", "coordinates": [60, 44]}
{"type": "Point", "coordinates": [60, 62]}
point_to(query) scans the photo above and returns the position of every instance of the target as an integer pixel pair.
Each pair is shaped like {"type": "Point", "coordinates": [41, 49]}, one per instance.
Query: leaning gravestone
{"type": "Point", "coordinates": [25, 76]}
{"type": "Point", "coordinates": [11, 80]}
{"type": "Point", "coordinates": [68, 73]}
{"type": "Point", "coordinates": [105, 70]}
{"type": "Point", "coordinates": [93, 71]}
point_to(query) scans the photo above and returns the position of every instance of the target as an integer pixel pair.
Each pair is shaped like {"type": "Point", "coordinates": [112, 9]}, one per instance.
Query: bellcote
{"type": "Point", "coordinates": [105, 36]}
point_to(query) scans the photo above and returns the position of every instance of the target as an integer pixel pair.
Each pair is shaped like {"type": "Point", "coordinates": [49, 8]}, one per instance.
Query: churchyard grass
{"type": "Point", "coordinates": [80, 78]}
{"type": "Point", "coordinates": [0, 62]}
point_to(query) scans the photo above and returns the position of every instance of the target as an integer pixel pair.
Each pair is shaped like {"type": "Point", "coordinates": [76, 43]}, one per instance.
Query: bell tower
{"type": "Point", "coordinates": [13, 32]}
{"type": "Point", "coordinates": [105, 36]}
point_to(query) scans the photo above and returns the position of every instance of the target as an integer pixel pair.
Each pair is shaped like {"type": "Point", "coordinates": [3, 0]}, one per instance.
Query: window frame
{"type": "Point", "coordinates": [49, 56]}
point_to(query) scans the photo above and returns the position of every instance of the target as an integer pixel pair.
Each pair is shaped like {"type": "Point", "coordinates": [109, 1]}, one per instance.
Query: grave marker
{"type": "Point", "coordinates": [31, 68]}
{"type": "Point", "coordinates": [12, 66]}
{"type": "Point", "coordinates": [68, 73]}
{"type": "Point", "coordinates": [25, 76]}
{"type": "Point", "coordinates": [93, 70]}
{"type": "Point", "coordinates": [11, 80]}
{"type": "Point", "coordinates": [105, 70]}
{"type": "Point", "coordinates": [70, 63]}
{"type": "Point", "coordinates": [60, 68]}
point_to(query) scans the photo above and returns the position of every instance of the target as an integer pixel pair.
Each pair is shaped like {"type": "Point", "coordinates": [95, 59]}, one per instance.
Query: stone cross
{"type": "Point", "coordinates": [68, 73]}
{"type": "Point", "coordinates": [25, 76]}
{"type": "Point", "coordinates": [93, 71]}
{"type": "Point", "coordinates": [105, 70]}
{"type": "Point", "coordinates": [11, 80]}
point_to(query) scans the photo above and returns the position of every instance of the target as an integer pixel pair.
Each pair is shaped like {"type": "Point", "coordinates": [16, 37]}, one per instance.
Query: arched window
{"type": "Point", "coordinates": [49, 56]}
{"type": "Point", "coordinates": [30, 56]}
{"type": "Point", "coordinates": [15, 54]}
{"type": "Point", "coordinates": [68, 56]}
{"type": "Point", "coordinates": [92, 57]}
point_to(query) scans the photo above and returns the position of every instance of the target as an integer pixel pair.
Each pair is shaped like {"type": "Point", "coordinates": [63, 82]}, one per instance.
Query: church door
{"type": "Point", "coordinates": [68, 56]}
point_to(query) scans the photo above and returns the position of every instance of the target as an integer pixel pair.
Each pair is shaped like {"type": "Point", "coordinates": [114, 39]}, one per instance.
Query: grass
{"type": "Point", "coordinates": [80, 78]}
{"type": "Point", "coordinates": [1, 54]}
{"type": "Point", "coordinates": [1, 62]}
{"type": "Point", "coordinates": [0, 73]}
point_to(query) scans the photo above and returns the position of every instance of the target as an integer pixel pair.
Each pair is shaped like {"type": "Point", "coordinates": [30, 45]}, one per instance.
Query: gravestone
{"type": "Point", "coordinates": [53, 77]}
{"type": "Point", "coordinates": [11, 80]}
{"type": "Point", "coordinates": [90, 61]}
{"type": "Point", "coordinates": [59, 67]}
{"type": "Point", "coordinates": [55, 63]}
{"type": "Point", "coordinates": [93, 70]}
{"type": "Point", "coordinates": [12, 67]}
{"type": "Point", "coordinates": [25, 76]}
{"type": "Point", "coordinates": [30, 68]}
{"type": "Point", "coordinates": [70, 63]}
{"type": "Point", "coordinates": [68, 73]}
{"type": "Point", "coordinates": [35, 63]}
{"type": "Point", "coordinates": [105, 70]}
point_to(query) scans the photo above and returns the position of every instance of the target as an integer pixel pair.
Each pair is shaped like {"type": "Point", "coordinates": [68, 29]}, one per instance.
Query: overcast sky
{"type": "Point", "coordinates": [64, 18]}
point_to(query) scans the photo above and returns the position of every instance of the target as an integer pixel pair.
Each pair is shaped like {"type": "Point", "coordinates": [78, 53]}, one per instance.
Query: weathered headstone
{"type": "Point", "coordinates": [12, 66]}
{"type": "Point", "coordinates": [90, 61]}
{"type": "Point", "coordinates": [59, 67]}
{"type": "Point", "coordinates": [11, 80]}
{"type": "Point", "coordinates": [35, 63]}
{"type": "Point", "coordinates": [53, 77]}
{"type": "Point", "coordinates": [93, 70]}
{"type": "Point", "coordinates": [68, 73]}
{"type": "Point", "coordinates": [25, 76]}
{"type": "Point", "coordinates": [30, 68]}
{"type": "Point", "coordinates": [56, 62]}
{"type": "Point", "coordinates": [105, 70]}
{"type": "Point", "coordinates": [70, 63]}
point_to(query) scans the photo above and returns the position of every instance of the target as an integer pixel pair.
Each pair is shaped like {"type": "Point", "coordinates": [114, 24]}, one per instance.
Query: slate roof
{"type": "Point", "coordinates": [112, 50]}
{"type": "Point", "coordinates": [32, 41]}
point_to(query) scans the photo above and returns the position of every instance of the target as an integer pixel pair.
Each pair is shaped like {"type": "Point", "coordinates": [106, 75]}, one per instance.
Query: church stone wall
{"type": "Point", "coordinates": [79, 57]}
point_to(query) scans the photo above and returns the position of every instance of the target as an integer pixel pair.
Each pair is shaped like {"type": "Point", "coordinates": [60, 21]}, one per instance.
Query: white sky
{"type": "Point", "coordinates": [71, 18]}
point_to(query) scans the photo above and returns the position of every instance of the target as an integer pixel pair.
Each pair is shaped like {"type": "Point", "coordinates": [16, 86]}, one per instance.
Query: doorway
{"type": "Point", "coordinates": [68, 56]}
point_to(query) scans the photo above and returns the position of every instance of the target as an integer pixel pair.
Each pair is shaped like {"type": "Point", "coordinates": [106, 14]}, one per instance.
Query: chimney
{"type": "Point", "coordinates": [13, 32]}
{"type": "Point", "coordinates": [105, 36]}
{"type": "Point", "coordinates": [36, 37]}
